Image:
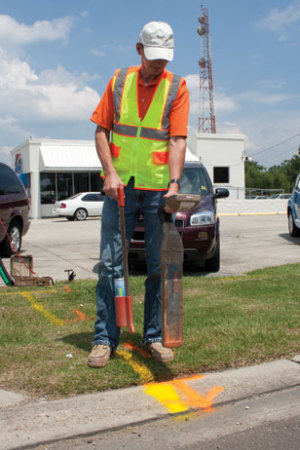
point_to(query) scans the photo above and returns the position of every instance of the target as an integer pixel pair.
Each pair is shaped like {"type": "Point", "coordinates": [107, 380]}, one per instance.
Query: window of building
{"type": "Point", "coordinates": [47, 183]}
{"type": "Point", "coordinates": [221, 174]}
{"type": "Point", "coordinates": [81, 182]}
{"type": "Point", "coordinates": [96, 182]}
{"type": "Point", "coordinates": [64, 186]}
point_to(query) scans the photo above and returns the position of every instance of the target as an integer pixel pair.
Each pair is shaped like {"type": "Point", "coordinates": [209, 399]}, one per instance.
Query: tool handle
{"type": "Point", "coordinates": [121, 198]}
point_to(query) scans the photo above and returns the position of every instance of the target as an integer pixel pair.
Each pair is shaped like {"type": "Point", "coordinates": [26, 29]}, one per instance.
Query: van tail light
{"type": "Point", "coordinates": [28, 203]}
{"type": "Point", "coordinates": [62, 205]}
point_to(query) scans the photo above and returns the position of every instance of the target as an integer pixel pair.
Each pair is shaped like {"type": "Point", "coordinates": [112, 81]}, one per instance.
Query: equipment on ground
{"type": "Point", "coordinates": [21, 269]}
{"type": "Point", "coordinates": [123, 303]}
{"type": "Point", "coordinates": [171, 257]}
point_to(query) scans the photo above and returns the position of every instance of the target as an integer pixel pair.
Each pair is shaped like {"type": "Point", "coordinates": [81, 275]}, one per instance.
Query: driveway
{"type": "Point", "coordinates": [247, 243]}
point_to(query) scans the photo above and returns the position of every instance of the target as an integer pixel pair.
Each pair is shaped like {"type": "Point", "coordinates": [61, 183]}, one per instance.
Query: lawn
{"type": "Point", "coordinates": [46, 332]}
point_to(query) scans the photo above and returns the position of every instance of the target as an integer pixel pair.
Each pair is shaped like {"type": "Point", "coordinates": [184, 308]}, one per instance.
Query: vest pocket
{"type": "Point", "coordinates": [115, 150]}
{"type": "Point", "coordinates": [160, 158]}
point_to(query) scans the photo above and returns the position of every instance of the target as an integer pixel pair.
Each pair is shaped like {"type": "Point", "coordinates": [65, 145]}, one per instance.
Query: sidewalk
{"type": "Point", "coordinates": [25, 422]}
{"type": "Point", "coordinates": [232, 207]}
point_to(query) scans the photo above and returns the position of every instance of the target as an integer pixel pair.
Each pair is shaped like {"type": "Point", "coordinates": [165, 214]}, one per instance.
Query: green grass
{"type": "Point", "coordinates": [228, 322]}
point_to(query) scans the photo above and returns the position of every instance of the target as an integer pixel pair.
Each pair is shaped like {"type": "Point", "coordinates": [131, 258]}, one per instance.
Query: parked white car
{"type": "Point", "coordinates": [280, 196]}
{"type": "Point", "coordinates": [80, 206]}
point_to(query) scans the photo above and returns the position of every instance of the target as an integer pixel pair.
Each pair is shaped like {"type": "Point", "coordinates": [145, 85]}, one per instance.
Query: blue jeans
{"type": "Point", "coordinates": [111, 263]}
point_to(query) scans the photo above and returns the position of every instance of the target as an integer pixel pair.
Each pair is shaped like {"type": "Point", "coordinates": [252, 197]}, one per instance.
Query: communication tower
{"type": "Point", "coordinates": [206, 120]}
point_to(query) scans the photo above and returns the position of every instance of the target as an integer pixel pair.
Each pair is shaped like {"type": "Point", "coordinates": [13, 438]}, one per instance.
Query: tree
{"type": "Point", "coordinates": [276, 177]}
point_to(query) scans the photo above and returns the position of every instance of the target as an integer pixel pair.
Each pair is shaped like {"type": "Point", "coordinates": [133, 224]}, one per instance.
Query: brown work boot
{"type": "Point", "coordinates": [99, 356]}
{"type": "Point", "coordinates": [159, 352]}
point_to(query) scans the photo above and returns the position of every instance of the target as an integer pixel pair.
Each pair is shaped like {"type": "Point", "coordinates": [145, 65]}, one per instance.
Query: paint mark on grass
{"type": "Point", "coordinates": [130, 346]}
{"type": "Point", "coordinates": [80, 316]}
{"type": "Point", "coordinates": [48, 315]}
{"type": "Point", "coordinates": [137, 365]}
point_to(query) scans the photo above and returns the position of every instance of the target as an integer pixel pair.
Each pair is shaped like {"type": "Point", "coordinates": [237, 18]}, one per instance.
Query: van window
{"type": "Point", "coordinates": [9, 182]}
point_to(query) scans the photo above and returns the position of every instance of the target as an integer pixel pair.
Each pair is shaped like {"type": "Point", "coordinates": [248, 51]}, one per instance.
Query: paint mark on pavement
{"type": "Point", "coordinates": [177, 396]}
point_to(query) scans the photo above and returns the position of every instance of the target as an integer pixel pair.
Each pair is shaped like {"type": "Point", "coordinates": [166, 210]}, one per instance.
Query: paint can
{"type": "Point", "coordinates": [119, 287]}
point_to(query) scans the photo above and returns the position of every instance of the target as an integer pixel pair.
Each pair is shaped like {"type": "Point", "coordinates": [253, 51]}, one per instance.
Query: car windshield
{"type": "Point", "coordinates": [194, 180]}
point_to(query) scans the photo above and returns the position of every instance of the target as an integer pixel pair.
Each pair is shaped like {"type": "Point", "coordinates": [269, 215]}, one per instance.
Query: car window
{"type": "Point", "coordinates": [9, 182]}
{"type": "Point", "coordinates": [297, 186]}
{"type": "Point", "coordinates": [90, 198]}
{"type": "Point", "coordinates": [101, 197]}
{"type": "Point", "coordinates": [194, 180]}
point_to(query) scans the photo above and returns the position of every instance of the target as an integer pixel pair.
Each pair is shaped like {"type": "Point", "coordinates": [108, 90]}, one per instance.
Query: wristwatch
{"type": "Point", "coordinates": [174, 180]}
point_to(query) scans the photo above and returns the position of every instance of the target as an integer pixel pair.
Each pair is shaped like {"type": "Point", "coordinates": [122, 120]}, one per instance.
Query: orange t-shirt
{"type": "Point", "coordinates": [104, 113]}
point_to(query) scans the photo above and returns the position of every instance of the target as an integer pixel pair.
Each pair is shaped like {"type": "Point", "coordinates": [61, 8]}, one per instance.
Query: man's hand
{"type": "Point", "coordinates": [111, 184]}
{"type": "Point", "coordinates": [173, 190]}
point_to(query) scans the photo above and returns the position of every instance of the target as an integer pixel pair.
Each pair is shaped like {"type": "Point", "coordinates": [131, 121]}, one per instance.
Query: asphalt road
{"type": "Point", "coordinates": [247, 243]}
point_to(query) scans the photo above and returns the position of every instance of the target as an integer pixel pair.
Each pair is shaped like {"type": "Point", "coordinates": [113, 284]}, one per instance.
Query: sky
{"type": "Point", "coordinates": [56, 57]}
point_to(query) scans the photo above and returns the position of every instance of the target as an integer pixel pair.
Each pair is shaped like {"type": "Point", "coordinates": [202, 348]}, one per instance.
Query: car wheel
{"type": "Point", "coordinates": [15, 236]}
{"type": "Point", "coordinates": [213, 264]}
{"type": "Point", "coordinates": [293, 230]}
{"type": "Point", "coordinates": [81, 214]}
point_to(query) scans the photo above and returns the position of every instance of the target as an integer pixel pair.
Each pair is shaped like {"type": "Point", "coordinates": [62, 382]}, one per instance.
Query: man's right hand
{"type": "Point", "coordinates": [111, 184]}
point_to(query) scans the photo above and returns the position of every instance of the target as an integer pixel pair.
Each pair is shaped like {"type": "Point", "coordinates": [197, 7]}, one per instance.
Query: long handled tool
{"type": "Point", "coordinates": [123, 304]}
{"type": "Point", "coordinates": [171, 257]}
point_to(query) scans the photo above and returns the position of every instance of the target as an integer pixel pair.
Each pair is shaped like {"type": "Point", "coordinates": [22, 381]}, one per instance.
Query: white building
{"type": "Point", "coordinates": [56, 169]}
{"type": "Point", "coordinates": [52, 169]}
{"type": "Point", "coordinates": [224, 158]}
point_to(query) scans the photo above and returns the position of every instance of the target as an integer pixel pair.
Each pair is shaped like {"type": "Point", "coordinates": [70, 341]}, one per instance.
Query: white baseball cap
{"type": "Point", "coordinates": [158, 41]}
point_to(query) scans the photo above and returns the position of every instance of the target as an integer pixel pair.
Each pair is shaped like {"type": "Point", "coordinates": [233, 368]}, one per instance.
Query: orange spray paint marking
{"type": "Point", "coordinates": [80, 316]}
{"type": "Point", "coordinates": [141, 351]}
{"type": "Point", "coordinates": [196, 400]}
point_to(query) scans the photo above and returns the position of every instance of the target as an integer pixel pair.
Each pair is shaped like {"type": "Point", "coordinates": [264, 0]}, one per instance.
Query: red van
{"type": "Point", "coordinates": [199, 227]}
{"type": "Point", "coordinates": [14, 211]}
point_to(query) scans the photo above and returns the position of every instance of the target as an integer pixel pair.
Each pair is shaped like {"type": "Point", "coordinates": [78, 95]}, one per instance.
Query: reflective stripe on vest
{"type": "Point", "coordinates": [140, 147]}
{"type": "Point", "coordinates": [119, 85]}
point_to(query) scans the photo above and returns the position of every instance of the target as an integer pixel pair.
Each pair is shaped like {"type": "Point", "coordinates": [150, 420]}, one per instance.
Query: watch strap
{"type": "Point", "coordinates": [174, 180]}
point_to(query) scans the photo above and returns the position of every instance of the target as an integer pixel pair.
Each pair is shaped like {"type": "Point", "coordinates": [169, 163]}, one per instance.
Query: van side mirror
{"type": "Point", "coordinates": [221, 193]}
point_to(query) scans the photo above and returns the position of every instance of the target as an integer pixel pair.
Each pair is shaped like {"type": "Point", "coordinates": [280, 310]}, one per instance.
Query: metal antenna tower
{"type": "Point", "coordinates": [206, 120]}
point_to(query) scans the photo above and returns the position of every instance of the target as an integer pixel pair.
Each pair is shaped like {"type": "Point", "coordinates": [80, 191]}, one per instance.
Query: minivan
{"type": "Point", "coordinates": [14, 211]}
{"type": "Point", "coordinates": [199, 227]}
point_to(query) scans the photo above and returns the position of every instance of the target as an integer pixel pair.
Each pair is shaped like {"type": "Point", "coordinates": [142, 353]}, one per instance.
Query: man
{"type": "Point", "coordinates": [140, 140]}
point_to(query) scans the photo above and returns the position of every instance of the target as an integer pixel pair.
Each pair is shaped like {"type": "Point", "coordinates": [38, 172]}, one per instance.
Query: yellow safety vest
{"type": "Point", "coordinates": [140, 148]}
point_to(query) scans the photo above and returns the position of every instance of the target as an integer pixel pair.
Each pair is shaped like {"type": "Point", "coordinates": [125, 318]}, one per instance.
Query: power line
{"type": "Point", "coordinates": [275, 145]}
{"type": "Point", "coordinates": [282, 153]}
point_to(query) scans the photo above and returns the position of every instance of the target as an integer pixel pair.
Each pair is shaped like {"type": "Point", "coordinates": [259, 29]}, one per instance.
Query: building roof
{"type": "Point", "coordinates": [70, 156]}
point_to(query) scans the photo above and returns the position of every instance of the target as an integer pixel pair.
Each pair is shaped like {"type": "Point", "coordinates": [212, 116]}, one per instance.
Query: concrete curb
{"type": "Point", "coordinates": [267, 213]}
{"type": "Point", "coordinates": [39, 422]}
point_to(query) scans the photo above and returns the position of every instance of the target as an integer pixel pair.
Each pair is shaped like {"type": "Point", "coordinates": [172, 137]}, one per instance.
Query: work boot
{"type": "Point", "coordinates": [99, 356]}
{"type": "Point", "coordinates": [159, 352]}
